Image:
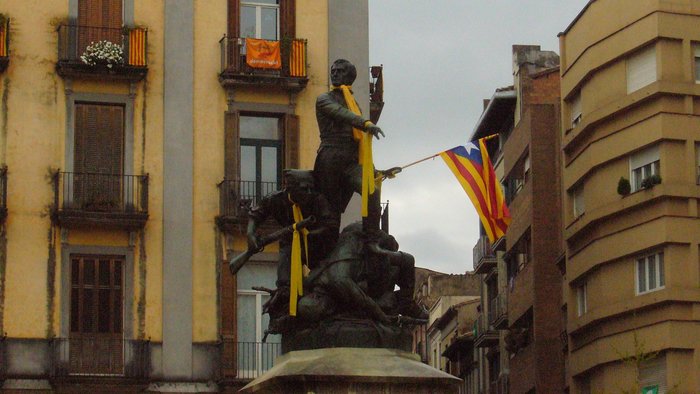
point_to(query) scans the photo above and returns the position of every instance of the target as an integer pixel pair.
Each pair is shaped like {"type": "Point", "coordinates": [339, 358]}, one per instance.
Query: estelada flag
{"type": "Point", "coordinates": [263, 53]}
{"type": "Point", "coordinates": [472, 167]}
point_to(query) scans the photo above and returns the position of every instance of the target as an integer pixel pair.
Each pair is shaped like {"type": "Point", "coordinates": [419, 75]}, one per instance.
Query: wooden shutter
{"type": "Point", "coordinates": [288, 18]}
{"type": "Point", "coordinates": [291, 140]}
{"type": "Point", "coordinates": [99, 20]}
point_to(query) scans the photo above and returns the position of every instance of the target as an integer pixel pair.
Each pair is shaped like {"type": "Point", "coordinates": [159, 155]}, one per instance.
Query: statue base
{"type": "Point", "coordinates": [355, 333]}
{"type": "Point", "coordinates": [352, 370]}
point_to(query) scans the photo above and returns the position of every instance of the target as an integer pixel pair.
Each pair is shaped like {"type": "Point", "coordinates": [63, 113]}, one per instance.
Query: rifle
{"type": "Point", "coordinates": [237, 262]}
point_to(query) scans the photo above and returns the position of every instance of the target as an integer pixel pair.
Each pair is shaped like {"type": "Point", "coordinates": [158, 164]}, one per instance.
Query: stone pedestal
{"type": "Point", "coordinates": [352, 370]}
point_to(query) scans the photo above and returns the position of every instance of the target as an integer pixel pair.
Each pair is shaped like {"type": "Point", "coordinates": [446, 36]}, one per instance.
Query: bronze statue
{"type": "Point", "coordinates": [336, 169]}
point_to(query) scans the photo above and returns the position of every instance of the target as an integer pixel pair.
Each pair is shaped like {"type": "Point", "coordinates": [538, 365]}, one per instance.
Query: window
{"type": "Point", "coordinates": [582, 299]}
{"type": "Point", "coordinates": [576, 110]}
{"type": "Point", "coordinates": [260, 19]}
{"type": "Point", "coordinates": [641, 69]}
{"type": "Point", "coordinates": [643, 165]}
{"type": "Point", "coordinates": [526, 168]}
{"type": "Point", "coordinates": [579, 205]}
{"type": "Point", "coordinates": [99, 20]}
{"type": "Point", "coordinates": [261, 155]}
{"type": "Point", "coordinates": [652, 376]}
{"type": "Point", "coordinates": [650, 273]}
{"type": "Point", "coordinates": [697, 163]}
{"type": "Point", "coordinates": [697, 62]}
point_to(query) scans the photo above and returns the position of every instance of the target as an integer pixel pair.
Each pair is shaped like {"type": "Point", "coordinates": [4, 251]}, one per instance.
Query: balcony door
{"type": "Point", "coordinates": [99, 20]}
{"type": "Point", "coordinates": [96, 345]}
{"type": "Point", "coordinates": [261, 156]}
{"type": "Point", "coordinates": [98, 159]}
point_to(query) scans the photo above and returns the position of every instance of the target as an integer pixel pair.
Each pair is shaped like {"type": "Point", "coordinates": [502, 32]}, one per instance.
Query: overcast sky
{"type": "Point", "coordinates": [441, 59]}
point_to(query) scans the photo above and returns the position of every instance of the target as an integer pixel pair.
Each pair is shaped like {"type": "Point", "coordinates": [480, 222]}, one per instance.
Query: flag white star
{"type": "Point", "coordinates": [469, 147]}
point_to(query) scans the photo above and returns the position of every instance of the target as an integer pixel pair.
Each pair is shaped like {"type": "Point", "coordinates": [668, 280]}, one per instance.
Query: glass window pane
{"type": "Point", "coordinates": [89, 272]}
{"type": "Point", "coordinates": [269, 165]}
{"type": "Point", "coordinates": [247, 21]}
{"type": "Point", "coordinates": [117, 273]}
{"type": "Point", "coordinates": [651, 264]}
{"type": "Point", "coordinates": [259, 128]}
{"type": "Point", "coordinates": [697, 68]}
{"type": "Point", "coordinates": [268, 23]}
{"type": "Point", "coordinates": [104, 273]}
{"type": "Point", "coordinates": [655, 169]}
{"type": "Point", "coordinates": [246, 318]}
{"type": "Point", "coordinates": [248, 163]}
{"type": "Point", "coordinates": [662, 279]}
{"type": "Point", "coordinates": [642, 275]}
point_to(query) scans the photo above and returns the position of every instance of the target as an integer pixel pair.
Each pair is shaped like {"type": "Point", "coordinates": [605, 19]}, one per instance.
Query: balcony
{"type": "Point", "coordinates": [73, 41]}
{"type": "Point", "coordinates": [251, 359]}
{"type": "Point", "coordinates": [4, 42]}
{"type": "Point", "coordinates": [376, 93]}
{"type": "Point", "coordinates": [483, 258]}
{"type": "Point", "coordinates": [94, 356]}
{"type": "Point", "coordinates": [235, 71]}
{"type": "Point", "coordinates": [105, 200]}
{"type": "Point", "coordinates": [236, 198]}
{"type": "Point", "coordinates": [498, 312]}
{"type": "Point", "coordinates": [485, 335]}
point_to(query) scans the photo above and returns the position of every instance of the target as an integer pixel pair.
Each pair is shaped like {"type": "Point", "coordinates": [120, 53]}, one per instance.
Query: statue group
{"type": "Point", "coordinates": [335, 288]}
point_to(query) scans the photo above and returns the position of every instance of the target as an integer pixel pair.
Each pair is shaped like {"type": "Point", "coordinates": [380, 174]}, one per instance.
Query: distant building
{"type": "Point", "coordinates": [631, 154]}
{"type": "Point", "coordinates": [518, 330]}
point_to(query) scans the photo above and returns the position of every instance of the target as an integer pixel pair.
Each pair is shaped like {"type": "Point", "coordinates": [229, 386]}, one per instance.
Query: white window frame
{"type": "Point", "coordinates": [641, 69]}
{"type": "Point", "coordinates": [582, 299]}
{"type": "Point", "coordinates": [259, 367]}
{"type": "Point", "coordinates": [644, 164]}
{"type": "Point", "coordinates": [577, 201]}
{"type": "Point", "coordinates": [576, 113]}
{"type": "Point", "coordinates": [258, 15]}
{"type": "Point", "coordinates": [651, 281]}
{"type": "Point", "coordinates": [526, 168]}
{"type": "Point", "coordinates": [696, 62]}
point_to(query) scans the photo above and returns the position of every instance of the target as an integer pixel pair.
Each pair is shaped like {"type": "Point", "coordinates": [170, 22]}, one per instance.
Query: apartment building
{"type": "Point", "coordinates": [630, 116]}
{"type": "Point", "coordinates": [125, 183]}
{"type": "Point", "coordinates": [518, 330]}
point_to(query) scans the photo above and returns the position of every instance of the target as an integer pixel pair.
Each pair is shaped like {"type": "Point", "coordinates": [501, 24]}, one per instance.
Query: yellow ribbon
{"type": "Point", "coordinates": [296, 276]}
{"type": "Point", "coordinates": [365, 156]}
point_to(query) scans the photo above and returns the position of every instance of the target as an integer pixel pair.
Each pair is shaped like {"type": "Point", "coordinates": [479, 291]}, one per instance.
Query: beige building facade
{"type": "Point", "coordinates": [129, 182]}
{"type": "Point", "coordinates": [630, 121]}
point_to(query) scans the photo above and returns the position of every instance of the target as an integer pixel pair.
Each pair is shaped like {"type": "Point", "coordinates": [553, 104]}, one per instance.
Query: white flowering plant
{"type": "Point", "coordinates": [103, 52]}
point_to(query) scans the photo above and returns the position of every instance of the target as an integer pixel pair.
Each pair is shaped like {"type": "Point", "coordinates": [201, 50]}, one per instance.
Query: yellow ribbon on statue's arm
{"type": "Point", "coordinates": [296, 275]}
{"type": "Point", "coordinates": [365, 151]}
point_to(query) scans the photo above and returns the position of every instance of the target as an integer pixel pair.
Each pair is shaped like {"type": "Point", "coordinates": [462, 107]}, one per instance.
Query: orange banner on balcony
{"type": "Point", "coordinates": [297, 60]}
{"type": "Point", "coordinates": [137, 47]}
{"type": "Point", "coordinates": [263, 53]}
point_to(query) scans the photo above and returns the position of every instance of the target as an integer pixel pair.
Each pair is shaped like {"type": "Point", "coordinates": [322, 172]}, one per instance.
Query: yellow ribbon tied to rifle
{"type": "Point", "coordinates": [365, 156]}
{"type": "Point", "coordinates": [296, 276]}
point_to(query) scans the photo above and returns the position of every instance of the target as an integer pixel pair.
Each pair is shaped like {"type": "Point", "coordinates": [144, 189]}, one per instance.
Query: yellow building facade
{"type": "Point", "coordinates": [128, 181]}
{"type": "Point", "coordinates": [630, 121]}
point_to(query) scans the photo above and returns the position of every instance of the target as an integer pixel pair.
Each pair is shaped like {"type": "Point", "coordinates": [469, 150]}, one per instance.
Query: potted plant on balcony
{"type": "Point", "coordinates": [650, 181]}
{"type": "Point", "coordinates": [623, 186]}
{"type": "Point", "coordinates": [104, 53]}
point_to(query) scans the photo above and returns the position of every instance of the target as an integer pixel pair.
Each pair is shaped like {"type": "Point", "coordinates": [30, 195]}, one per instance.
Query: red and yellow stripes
{"type": "Point", "coordinates": [3, 38]}
{"type": "Point", "coordinates": [137, 47]}
{"type": "Point", "coordinates": [297, 59]}
{"type": "Point", "coordinates": [483, 189]}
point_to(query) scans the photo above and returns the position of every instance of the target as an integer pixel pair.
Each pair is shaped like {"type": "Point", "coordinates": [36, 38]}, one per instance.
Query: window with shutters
{"type": "Point", "coordinates": [650, 273]}
{"type": "Point", "coordinates": [696, 62]}
{"type": "Point", "coordinates": [99, 20]}
{"type": "Point", "coordinates": [652, 376]}
{"type": "Point", "coordinates": [96, 314]}
{"type": "Point", "coordinates": [98, 159]}
{"type": "Point", "coordinates": [575, 109]}
{"type": "Point", "coordinates": [641, 69]}
{"type": "Point", "coordinates": [644, 165]}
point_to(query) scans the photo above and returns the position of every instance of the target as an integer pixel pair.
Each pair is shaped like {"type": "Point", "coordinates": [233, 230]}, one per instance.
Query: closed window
{"type": "Point", "coordinates": [260, 19]}
{"type": "Point", "coordinates": [579, 206]}
{"type": "Point", "coordinates": [643, 166]}
{"type": "Point", "coordinates": [576, 113]}
{"type": "Point", "coordinates": [696, 62]}
{"type": "Point", "coordinates": [582, 299]}
{"type": "Point", "coordinates": [261, 155]}
{"type": "Point", "coordinates": [697, 163]}
{"type": "Point", "coordinates": [650, 273]}
{"type": "Point", "coordinates": [652, 376]}
{"type": "Point", "coordinates": [641, 69]}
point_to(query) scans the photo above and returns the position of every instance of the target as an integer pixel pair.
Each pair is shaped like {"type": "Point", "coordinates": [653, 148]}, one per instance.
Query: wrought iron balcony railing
{"type": "Point", "coordinates": [4, 43]}
{"type": "Point", "coordinates": [90, 197]}
{"type": "Point", "coordinates": [251, 359]}
{"type": "Point", "coordinates": [100, 356]}
{"type": "Point", "coordinates": [498, 311]}
{"type": "Point", "coordinates": [237, 197]}
{"type": "Point", "coordinates": [483, 257]}
{"type": "Point", "coordinates": [235, 69]}
{"type": "Point", "coordinates": [73, 41]}
{"type": "Point", "coordinates": [485, 334]}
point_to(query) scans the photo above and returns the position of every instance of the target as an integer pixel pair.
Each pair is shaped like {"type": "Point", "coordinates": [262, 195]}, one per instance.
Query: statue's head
{"type": "Point", "coordinates": [343, 73]}
{"type": "Point", "coordinates": [299, 184]}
